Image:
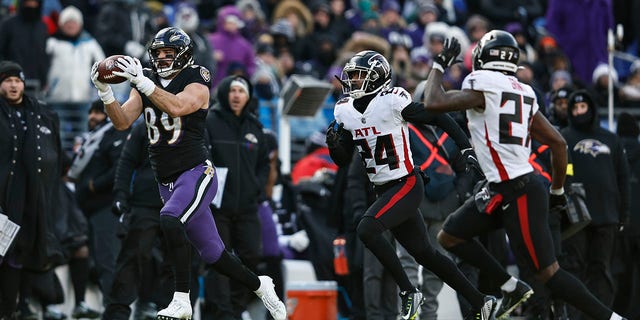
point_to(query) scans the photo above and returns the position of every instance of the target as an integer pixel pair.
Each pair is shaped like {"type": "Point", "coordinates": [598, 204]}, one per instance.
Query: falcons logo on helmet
{"type": "Point", "coordinates": [379, 61]}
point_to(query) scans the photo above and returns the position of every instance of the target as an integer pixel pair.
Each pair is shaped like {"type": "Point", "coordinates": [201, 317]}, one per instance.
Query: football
{"type": "Point", "coordinates": [106, 68]}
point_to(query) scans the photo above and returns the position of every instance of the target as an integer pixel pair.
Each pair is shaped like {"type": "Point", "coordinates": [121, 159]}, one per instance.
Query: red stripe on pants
{"type": "Point", "coordinates": [411, 181]}
{"type": "Point", "coordinates": [523, 214]}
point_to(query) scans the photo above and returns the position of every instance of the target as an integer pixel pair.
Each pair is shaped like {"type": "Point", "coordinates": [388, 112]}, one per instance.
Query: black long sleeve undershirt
{"type": "Point", "coordinates": [416, 113]}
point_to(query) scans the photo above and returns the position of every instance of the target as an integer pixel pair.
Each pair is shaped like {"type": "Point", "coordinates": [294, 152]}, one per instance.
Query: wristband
{"type": "Point", "coordinates": [106, 96]}
{"type": "Point", "coordinates": [146, 86]}
{"type": "Point", "coordinates": [437, 66]}
{"type": "Point", "coordinates": [557, 192]}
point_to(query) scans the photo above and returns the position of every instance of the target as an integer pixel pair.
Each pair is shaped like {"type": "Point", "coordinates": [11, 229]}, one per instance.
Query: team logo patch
{"type": "Point", "coordinates": [209, 170]}
{"type": "Point", "coordinates": [592, 147]}
{"type": "Point", "coordinates": [205, 74]}
{"type": "Point", "coordinates": [251, 138]}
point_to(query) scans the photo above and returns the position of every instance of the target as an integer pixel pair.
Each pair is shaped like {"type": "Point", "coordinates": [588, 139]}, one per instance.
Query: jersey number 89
{"type": "Point", "coordinates": [172, 126]}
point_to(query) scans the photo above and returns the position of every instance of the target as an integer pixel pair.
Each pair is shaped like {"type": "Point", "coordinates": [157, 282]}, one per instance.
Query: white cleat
{"type": "Point", "coordinates": [178, 309]}
{"type": "Point", "coordinates": [270, 299]}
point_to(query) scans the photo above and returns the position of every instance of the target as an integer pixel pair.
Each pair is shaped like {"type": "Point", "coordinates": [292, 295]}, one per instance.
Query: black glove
{"type": "Point", "coordinates": [120, 204]}
{"type": "Point", "coordinates": [334, 131]}
{"type": "Point", "coordinates": [557, 203]}
{"type": "Point", "coordinates": [449, 53]}
{"type": "Point", "coordinates": [472, 162]}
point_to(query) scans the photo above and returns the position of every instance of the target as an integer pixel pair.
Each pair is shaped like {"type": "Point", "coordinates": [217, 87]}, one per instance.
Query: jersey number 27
{"type": "Point", "coordinates": [507, 119]}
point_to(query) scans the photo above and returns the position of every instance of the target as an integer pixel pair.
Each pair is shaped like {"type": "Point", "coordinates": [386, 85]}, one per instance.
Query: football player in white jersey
{"type": "Point", "coordinates": [372, 118]}
{"type": "Point", "coordinates": [503, 118]}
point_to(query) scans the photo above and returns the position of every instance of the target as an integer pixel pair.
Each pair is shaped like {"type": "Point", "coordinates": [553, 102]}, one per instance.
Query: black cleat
{"type": "Point", "coordinates": [511, 300]}
{"type": "Point", "coordinates": [488, 310]}
{"type": "Point", "coordinates": [411, 302]}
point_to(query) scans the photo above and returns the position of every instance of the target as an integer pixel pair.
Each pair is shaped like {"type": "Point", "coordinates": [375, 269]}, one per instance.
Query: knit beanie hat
{"type": "Point", "coordinates": [70, 13]}
{"type": "Point", "coordinates": [10, 69]}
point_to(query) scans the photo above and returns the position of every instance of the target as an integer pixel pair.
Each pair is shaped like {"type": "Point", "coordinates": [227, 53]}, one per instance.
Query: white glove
{"type": "Point", "coordinates": [104, 90]}
{"type": "Point", "coordinates": [134, 49]}
{"type": "Point", "coordinates": [132, 71]}
{"type": "Point", "coordinates": [299, 241]}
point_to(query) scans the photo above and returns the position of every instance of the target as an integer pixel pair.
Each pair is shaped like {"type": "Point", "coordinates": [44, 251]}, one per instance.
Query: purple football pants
{"type": "Point", "coordinates": [188, 199]}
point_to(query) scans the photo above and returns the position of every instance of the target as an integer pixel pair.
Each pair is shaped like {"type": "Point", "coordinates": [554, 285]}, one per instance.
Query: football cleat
{"type": "Point", "coordinates": [511, 300]}
{"type": "Point", "coordinates": [267, 293]}
{"type": "Point", "coordinates": [411, 302]}
{"type": "Point", "coordinates": [488, 310]}
{"type": "Point", "coordinates": [178, 309]}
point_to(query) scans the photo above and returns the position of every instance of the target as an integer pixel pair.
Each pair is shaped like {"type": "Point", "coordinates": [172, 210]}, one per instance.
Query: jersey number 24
{"type": "Point", "coordinates": [383, 147]}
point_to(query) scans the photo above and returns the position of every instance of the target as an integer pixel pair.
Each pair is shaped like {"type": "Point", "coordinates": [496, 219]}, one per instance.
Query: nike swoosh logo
{"type": "Point", "coordinates": [504, 207]}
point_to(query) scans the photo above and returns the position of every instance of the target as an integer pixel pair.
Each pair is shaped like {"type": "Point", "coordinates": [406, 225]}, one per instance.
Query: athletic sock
{"type": "Point", "coordinates": [178, 251]}
{"type": "Point", "coordinates": [446, 269]}
{"type": "Point", "coordinates": [230, 266]}
{"type": "Point", "coordinates": [510, 285]}
{"type": "Point", "coordinates": [387, 256]}
{"type": "Point", "coordinates": [566, 287]}
{"type": "Point", "coordinates": [473, 252]}
{"type": "Point", "coordinates": [79, 270]}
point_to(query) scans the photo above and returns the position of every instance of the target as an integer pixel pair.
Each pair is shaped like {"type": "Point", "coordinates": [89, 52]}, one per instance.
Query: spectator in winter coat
{"type": "Point", "coordinates": [229, 45]}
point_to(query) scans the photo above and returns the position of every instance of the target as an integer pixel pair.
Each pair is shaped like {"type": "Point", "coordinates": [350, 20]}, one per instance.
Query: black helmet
{"type": "Point", "coordinates": [497, 50]}
{"type": "Point", "coordinates": [171, 37]}
{"type": "Point", "coordinates": [367, 66]}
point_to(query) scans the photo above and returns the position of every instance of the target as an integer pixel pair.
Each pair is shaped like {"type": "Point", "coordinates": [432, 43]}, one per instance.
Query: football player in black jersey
{"type": "Point", "coordinates": [174, 97]}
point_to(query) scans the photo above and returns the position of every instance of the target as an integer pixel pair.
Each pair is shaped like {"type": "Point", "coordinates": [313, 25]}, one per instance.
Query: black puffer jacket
{"type": "Point", "coordinates": [238, 143]}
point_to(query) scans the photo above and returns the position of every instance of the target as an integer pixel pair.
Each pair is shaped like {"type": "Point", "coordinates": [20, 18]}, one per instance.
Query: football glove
{"type": "Point", "coordinates": [557, 202]}
{"type": "Point", "coordinates": [333, 134]}
{"type": "Point", "coordinates": [448, 56]}
{"type": "Point", "coordinates": [132, 71]}
{"type": "Point", "coordinates": [472, 162]}
{"type": "Point", "coordinates": [104, 90]}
